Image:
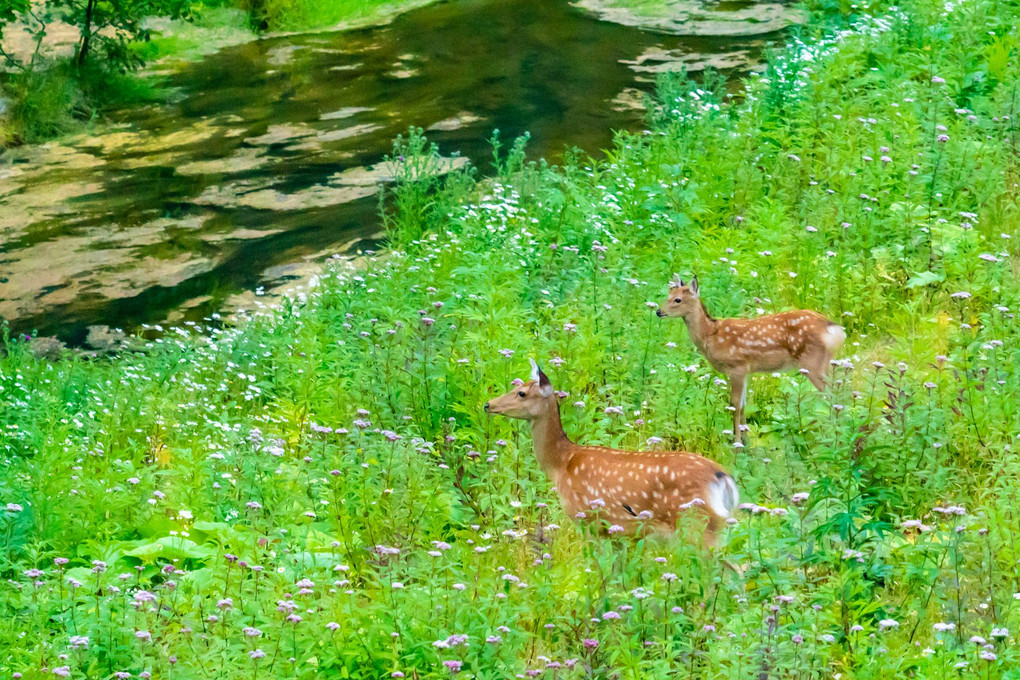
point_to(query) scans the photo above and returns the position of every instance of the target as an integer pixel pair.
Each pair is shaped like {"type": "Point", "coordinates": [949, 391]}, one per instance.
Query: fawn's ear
{"type": "Point", "coordinates": [535, 370]}
{"type": "Point", "coordinates": [677, 282]}
{"type": "Point", "coordinates": [694, 286]}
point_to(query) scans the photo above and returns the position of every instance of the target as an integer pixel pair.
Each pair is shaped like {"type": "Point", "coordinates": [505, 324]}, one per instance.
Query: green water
{"type": "Point", "coordinates": [266, 160]}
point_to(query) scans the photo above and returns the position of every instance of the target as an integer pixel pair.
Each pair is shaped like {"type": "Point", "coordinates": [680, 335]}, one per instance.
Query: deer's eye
{"type": "Point", "coordinates": [521, 395]}
{"type": "Point", "coordinates": [678, 300]}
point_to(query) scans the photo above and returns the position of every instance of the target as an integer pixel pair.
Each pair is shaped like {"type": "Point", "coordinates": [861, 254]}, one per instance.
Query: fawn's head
{"type": "Point", "coordinates": [682, 300]}
{"type": "Point", "coordinates": [529, 401]}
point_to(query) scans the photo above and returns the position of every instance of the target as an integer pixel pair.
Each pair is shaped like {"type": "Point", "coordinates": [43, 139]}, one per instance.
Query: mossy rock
{"type": "Point", "coordinates": [692, 18]}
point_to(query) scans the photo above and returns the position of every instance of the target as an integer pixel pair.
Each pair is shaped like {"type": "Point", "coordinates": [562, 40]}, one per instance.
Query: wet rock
{"type": "Point", "coordinates": [345, 112]}
{"type": "Point", "coordinates": [28, 203]}
{"type": "Point", "coordinates": [656, 60]}
{"type": "Point", "coordinates": [454, 123]}
{"type": "Point", "coordinates": [242, 161]}
{"type": "Point", "coordinates": [629, 99]}
{"type": "Point", "coordinates": [145, 143]}
{"type": "Point", "coordinates": [46, 347]}
{"type": "Point", "coordinates": [281, 134]}
{"type": "Point", "coordinates": [402, 73]}
{"type": "Point", "coordinates": [315, 143]}
{"type": "Point", "coordinates": [235, 234]}
{"type": "Point", "coordinates": [342, 187]}
{"type": "Point", "coordinates": [104, 338]}
{"type": "Point", "coordinates": [142, 273]}
{"type": "Point", "coordinates": [316, 196]}
{"type": "Point", "coordinates": [385, 172]}
{"type": "Point", "coordinates": [694, 18]}
{"type": "Point", "coordinates": [187, 308]}
{"type": "Point", "coordinates": [279, 56]}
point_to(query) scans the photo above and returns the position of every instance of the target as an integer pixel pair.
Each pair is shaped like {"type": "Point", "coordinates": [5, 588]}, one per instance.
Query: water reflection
{"type": "Point", "coordinates": [268, 158]}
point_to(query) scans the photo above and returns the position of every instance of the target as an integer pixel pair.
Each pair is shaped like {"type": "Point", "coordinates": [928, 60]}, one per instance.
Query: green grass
{"type": "Point", "coordinates": [289, 15]}
{"type": "Point", "coordinates": [59, 99]}
{"type": "Point", "coordinates": [165, 477]}
{"type": "Point", "coordinates": [42, 104]}
{"type": "Point", "coordinates": [206, 30]}
{"type": "Point", "coordinates": [646, 8]}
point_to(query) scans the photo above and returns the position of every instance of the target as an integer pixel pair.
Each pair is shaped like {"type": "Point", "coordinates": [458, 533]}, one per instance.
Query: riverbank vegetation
{"type": "Point", "coordinates": [318, 491]}
{"type": "Point", "coordinates": [65, 62]}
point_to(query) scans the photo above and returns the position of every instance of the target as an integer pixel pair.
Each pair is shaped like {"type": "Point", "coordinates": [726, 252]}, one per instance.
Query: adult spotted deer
{"type": "Point", "coordinates": [738, 347]}
{"type": "Point", "coordinates": [624, 488]}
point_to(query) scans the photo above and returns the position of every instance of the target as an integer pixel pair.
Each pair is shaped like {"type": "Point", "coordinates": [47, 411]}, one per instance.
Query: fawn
{"type": "Point", "coordinates": [737, 347]}
{"type": "Point", "coordinates": [623, 486]}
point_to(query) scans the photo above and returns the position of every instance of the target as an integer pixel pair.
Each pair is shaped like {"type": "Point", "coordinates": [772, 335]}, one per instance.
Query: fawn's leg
{"type": "Point", "coordinates": [710, 536]}
{"type": "Point", "coordinates": [817, 365]}
{"type": "Point", "coordinates": [738, 398]}
{"type": "Point", "coordinates": [710, 541]}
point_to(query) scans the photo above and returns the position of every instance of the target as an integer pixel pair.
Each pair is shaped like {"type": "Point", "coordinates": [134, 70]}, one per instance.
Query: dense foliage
{"type": "Point", "coordinates": [318, 492]}
{"type": "Point", "coordinates": [78, 59]}
{"type": "Point", "coordinates": [44, 94]}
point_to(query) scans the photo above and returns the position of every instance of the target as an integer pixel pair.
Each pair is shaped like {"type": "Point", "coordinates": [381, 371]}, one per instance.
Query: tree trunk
{"type": "Point", "coordinates": [86, 33]}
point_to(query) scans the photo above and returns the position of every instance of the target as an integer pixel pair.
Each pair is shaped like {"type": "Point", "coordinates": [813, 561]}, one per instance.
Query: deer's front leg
{"type": "Point", "coordinates": [738, 399]}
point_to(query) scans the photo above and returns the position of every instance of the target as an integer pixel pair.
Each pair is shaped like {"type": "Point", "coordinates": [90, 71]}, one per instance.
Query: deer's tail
{"type": "Point", "coordinates": [723, 496]}
{"type": "Point", "coordinates": [833, 336]}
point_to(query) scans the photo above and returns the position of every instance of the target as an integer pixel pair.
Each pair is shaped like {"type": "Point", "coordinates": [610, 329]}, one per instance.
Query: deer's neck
{"type": "Point", "coordinates": [700, 325]}
{"type": "Point", "coordinates": [552, 447]}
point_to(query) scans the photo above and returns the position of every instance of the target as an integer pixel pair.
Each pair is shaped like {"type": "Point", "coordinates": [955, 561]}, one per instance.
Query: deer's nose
{"type": "Point", "coordinates": [486, 407]}
{"type": "Point", "coordinates": [659, 312]}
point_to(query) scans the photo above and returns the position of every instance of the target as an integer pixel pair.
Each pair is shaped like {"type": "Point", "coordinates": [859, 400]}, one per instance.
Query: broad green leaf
{"type": "Point", "coordinates": [925, 278]}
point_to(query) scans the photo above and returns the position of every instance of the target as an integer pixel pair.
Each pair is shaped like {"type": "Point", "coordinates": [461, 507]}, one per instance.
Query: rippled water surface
{"type": "Point", "coordinates": [269, 157]}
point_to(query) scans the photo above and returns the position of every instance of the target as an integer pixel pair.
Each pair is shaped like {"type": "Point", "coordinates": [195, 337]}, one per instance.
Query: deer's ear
{"type": "Point", "coordinates": [677, 282]}
{"type": "Point", "coordinates": [694, 286]}
{"type": "Point", "coordinates": [544, 386]}
{"type": "Point", "coordinates": [535, 370]}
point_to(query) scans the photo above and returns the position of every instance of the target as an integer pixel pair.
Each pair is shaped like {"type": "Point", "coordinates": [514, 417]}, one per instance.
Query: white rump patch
{"type": "Point", "coordinates": [834, 336]}
{"type": "Point", "coordinates": [723, 496]}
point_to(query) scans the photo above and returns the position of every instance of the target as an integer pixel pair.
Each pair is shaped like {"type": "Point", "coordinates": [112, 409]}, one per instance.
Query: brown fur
{"type": "Point", "coordinates": [628, 482]}
{"type": "Point", "coordinates": [739, 347]}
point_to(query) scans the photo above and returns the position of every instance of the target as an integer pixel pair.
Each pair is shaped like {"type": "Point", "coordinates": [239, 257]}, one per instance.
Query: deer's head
{"type": "Point", "coordinates": [529, 401]}
{"type": "Point", "coordinates": [682, 300]}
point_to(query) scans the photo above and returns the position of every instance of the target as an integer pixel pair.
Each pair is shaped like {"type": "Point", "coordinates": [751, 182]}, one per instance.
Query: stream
{"type": "Point", "coordinates": [267, 158]}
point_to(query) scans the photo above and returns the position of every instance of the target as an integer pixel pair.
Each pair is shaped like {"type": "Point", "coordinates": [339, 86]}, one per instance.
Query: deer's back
{"type": "Point", "coordinates": [766, 343]}
{"type": "Point", "coordinates": [630, 483]}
